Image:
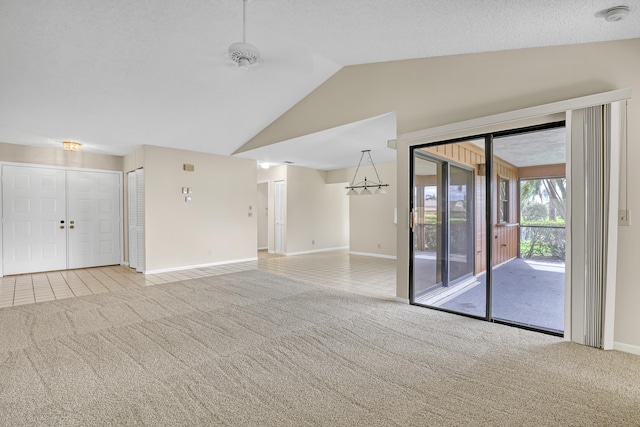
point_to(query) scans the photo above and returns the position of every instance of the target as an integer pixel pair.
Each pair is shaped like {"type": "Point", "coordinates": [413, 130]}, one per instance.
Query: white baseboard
{"type": "Point", "coordinates": [190, 267]}
{"type": "Point", "coordinates": [372, 255]}
{"type": "Point", "coordinates": [316, 251]}
{"type": "Point", "coordinates": [402, 300]}
{"type": "Point", "coordinates": [263, 248]}
{"type": "Point", "coordinates": [627, 348]}
{"type": "Point", "coordinates": [124, 263]}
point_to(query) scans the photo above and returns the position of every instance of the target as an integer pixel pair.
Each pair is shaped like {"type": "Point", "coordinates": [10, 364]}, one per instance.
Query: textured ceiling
{"type": "Point", "coordinates": [547, 147]}
{"type": "Point", "coordinates": [118, 74]}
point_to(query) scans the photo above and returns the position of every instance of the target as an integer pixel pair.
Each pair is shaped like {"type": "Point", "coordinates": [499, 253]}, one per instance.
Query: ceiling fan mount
{"type": "Point", "coordinates": [242, 53]}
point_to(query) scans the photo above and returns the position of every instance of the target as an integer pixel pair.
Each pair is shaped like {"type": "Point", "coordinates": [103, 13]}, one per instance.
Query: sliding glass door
{"type": "Point", "coordinates": [488, 227]}
{"type": "Point", "coordinates": [528, 277]}
{"type": "Point", "coordinates": [428, 227]}
{"type": "Point", "coordinates": [443, 228]}
{"type": "Point", "coordinates": [460, 216]}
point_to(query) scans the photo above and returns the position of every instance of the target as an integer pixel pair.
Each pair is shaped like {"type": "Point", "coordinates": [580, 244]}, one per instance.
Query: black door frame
{"type": "Point", "coordinates": [489, 182]}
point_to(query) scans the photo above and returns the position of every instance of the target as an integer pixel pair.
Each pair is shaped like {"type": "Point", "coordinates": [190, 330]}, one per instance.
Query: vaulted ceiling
{"type": "Point", "coordinates": [118, 74]}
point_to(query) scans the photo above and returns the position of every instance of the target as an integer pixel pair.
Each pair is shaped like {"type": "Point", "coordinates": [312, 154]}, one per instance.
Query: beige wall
{"type": "Point", "coordinates": [58, 157]}
{"type": "Point", "coordinates": [429, 92]}
{"type": "Point", "coordinates": [134, 160]}
{"type": "Point", "coordinates": [371, 227]}
{"type": "Point", "coordinates": [262, 215]}
{"type": "Point", "coordinates": [216, 226]}
{"type": "Point", "coordinates": [317, 213]}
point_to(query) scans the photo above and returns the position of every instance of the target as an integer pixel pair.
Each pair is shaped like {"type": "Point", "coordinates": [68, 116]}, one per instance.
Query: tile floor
{"type": "Point", "coordinates": [337, 269]}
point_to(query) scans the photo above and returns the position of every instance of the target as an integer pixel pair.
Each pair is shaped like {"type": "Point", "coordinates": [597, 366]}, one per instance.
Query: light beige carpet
{"type": "Point", "coordinates": [254, 348]}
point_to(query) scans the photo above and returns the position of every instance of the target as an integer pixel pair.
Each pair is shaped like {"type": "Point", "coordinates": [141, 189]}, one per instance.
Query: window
{"type": "Point", "coordinates": [503, 200]}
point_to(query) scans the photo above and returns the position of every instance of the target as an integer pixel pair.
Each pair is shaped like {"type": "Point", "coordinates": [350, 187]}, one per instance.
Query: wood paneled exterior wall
{"type": "Point", "coordinates": [505, 236]}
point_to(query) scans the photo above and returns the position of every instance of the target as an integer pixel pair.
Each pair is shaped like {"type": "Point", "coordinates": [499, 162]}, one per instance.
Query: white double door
{"type": "Point", "coordinates": [54, 219]}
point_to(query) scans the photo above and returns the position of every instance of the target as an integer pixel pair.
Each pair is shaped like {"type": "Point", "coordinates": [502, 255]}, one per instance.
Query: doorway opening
{"type": "Point", "coordinates": [488, 221]}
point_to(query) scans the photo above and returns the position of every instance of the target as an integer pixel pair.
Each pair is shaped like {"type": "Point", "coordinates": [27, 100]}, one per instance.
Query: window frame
{"type": "Point", "coordinates": [503, 203]}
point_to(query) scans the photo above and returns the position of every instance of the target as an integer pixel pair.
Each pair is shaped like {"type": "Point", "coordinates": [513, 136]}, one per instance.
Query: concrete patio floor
{"type": "Point", "coordinates": [525, 292]}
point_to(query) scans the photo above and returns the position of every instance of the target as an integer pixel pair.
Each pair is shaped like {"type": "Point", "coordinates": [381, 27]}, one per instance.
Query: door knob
{"type": "Point", "coordinates": [71, 227]}
{"type": "Point", "coordinates": [72, 222]}
{"type": "Point", "coordinates": [62, 226]}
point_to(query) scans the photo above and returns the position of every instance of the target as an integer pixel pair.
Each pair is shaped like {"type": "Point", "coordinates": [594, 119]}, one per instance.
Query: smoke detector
{"type": "Point", "coordinates": [242, 53]}
{"type": "Point", "coordinates": [617, 13]}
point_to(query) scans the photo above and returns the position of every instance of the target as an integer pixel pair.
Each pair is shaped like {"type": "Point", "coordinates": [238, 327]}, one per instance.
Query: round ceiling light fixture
{"type": "Point", "coordinates": [617, 13]}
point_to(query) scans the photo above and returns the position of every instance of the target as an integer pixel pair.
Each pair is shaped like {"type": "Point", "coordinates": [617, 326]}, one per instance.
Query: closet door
{"type": "Point", "coordinates": [135, 181]}
{"type": "Point", "coordinates": [140, 220]}
{"type": "Point", "coordinates": [33, 219]}
{"type": "Point", "coordinates": [93, 218]}
{"type": "Point", "coordinates": [133, 219]}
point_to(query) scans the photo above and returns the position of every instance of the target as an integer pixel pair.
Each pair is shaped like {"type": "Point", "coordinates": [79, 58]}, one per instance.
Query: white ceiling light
{"type": "Point", "coordinates": [242, 53]}
{"type": "Point", "coordinates": [617, 13]}
{"type": "Point", "coordinates": [264, 165]}
{"type": "Point", "coordinates": [381, 190]}
{"type": "Point", "coordinates": [71, 145]}
{"type": "Point", "coordinates": [366, 184]}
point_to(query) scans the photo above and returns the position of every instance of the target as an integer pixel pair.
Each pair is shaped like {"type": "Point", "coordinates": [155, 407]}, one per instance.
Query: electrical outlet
{"type": "Point", "coordinates": [313, 242]}
{"type": "Point", "coordinates": [623, 217]}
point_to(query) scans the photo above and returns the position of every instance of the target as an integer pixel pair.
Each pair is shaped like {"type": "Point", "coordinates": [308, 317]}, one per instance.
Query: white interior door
{"type": "Point", "coordinates": [132, 207]}
{"type": "Point", "coordinates": [33, 219]}
{"type": "Point", "coordinates": [140, 219]}
{"type": "Point", "coordinates": [93, 218]}
{"type": "Point", "coordinates": [136, 219]}
{"type": "Point", "coordinates": [279, 216]}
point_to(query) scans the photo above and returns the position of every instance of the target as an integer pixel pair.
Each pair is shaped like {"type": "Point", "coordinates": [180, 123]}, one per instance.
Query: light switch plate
{"type": "Point", "coordinates": [187, 199]}
{"type": "Point", "coordinates": [184, 190]}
